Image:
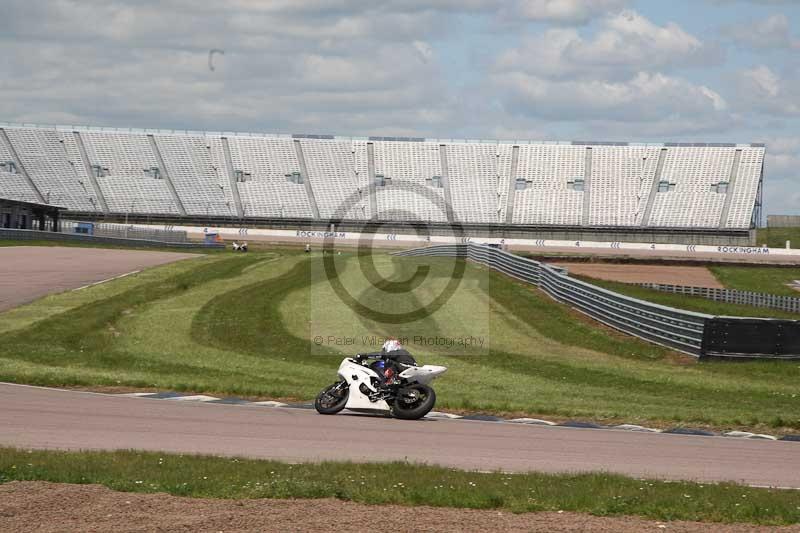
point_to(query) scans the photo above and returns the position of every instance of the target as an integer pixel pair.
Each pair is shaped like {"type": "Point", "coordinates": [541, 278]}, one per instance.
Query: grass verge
{"type": "Point", "coordinates": [777, 237]}
{"type": "Point", "coordinates": [690, 303]}
{"type": "Point", "coordinates": [772, 280]}
{"type": "Point", "coordinates": [404, 484]}
{"type": "Point", "coordinates": [239, 325]}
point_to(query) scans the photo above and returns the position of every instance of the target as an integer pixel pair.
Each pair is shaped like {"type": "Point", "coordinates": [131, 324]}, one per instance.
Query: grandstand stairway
{"type": "Point", "coordinates": [306, 181]}
{"type": "Point", "coordinates": [448, 198]}
{"type": "Point", "coordinates": [512, 185]}
{"type": "Point", "coordinates": [723, 219]}
{"type": "Point", "coordinates": [373, 193]}
{"type": "Point", "coordinates": [89, 174]}
{"type": "Point", "coordinates": [237, 199]}
{"type": "Point", "coordinates": [165, 175]}
{"type": "Point", "coordinates": [651, 199]}
{"type": "Point", "coordinates": [587, 187]}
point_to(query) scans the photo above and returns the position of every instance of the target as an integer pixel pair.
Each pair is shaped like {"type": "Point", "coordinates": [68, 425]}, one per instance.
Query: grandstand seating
{"type": "Point", "coordinates": [46, 162]}
{"type": "Point", "coordinates": [547, 169]}
{"type": "Point", "coordinates": [409, 196]}
{"type": "Point", "coordinates": [14, 187]}
{"type": "Point", "coordinates": [266, 191]}
{"type": "Point", "coordinates": [339, 190]}
{"type": "Point", "coordinates": [123, 160]}
{"type": "Point", "coordinates": [198, 180]}
{"type": "Point", "coordinates": [620, 182]}
{"type": "Point", "coordinates": [473, 174]}
{"type": "Point", "coordinates": [534, 184]}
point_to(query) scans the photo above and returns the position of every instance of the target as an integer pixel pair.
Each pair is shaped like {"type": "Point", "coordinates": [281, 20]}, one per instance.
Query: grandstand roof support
{"type": "Point", "coordinates": [723, 219]}
{"type": "Point", "coordinates": [165, 175]}
{"type": "Point", "coordinates": [651, 199]}
{"type": "Point", "coordinates": [373, 200]}
{"type": "Point", "coordinates": [237, 199]}
{"type": "Point", "coordinates": [587, 187]}
{"type": "Point", "coordinates": [448, 198]}
{"type": "Point", "coordinates": [87, 167]}
{"type": "Point", "coordinates": [20, 166]}
{"type": "Point", "coordinates": [512, 184]}
{"type": "Point", "coordinates": [306, 182]}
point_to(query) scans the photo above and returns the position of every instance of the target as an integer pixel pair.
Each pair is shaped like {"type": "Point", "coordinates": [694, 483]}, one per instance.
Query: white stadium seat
{"type": "Point", "coordinates": [201, 174]}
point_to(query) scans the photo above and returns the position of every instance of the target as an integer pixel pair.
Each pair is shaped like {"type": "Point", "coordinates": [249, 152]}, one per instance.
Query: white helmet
{"type": "Point", "coordinates": [391, 345]}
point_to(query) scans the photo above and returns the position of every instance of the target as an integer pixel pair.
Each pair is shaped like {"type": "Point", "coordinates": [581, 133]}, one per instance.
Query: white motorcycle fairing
{"type": "Point", "coordinates": [422, 374]}
{"type": "Point", "coordinates": [356, 375]}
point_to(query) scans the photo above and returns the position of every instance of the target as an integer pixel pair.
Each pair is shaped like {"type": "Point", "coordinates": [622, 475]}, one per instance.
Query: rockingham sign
{"type": "Point", "coordinates": [302, 235]}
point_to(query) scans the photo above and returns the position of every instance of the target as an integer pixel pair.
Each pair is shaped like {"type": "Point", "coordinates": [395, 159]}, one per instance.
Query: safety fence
{"type": "Point", "coordinates": [682, 330]}
{"type": "Point", "coordinates": [35, 235]}
{"type": "Point", "coordinates": [125, 231]}
{"type": "Point", "coordinates": [789, 304]}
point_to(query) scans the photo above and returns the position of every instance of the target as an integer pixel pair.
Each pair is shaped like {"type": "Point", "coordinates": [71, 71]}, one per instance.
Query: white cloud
{"type": "Point", "coordinates": [762, 89]}
{"type": "Point", "coordinates": [783, 156]}
{"type": "Point", "coordinates": [563, 11]}
{"type": "Point", "coordinates": [625, 44]}
{"type": "Point", "coordinates": [771, 32]}
{"type": "Point", "coordinates": [645, 97]}
{"type": "Point", "coordinates": [616, 75]}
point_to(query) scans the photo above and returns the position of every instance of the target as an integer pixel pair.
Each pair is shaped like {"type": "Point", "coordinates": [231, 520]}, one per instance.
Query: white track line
{"type": "Point", "coordinates": [105, 280]}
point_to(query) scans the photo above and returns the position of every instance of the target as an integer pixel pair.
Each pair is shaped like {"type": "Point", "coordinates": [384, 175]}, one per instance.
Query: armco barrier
{"type": "Point", "coordinates": [34, 235]}
{"type": "Point", "coordinates": [789, 304]}
{"type": "Point", "coordinates": [678, 329]}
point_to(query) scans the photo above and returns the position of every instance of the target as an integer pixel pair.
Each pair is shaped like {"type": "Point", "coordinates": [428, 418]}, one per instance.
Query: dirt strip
{"type": "Point", "coordinates": [54, 507]}
{"type": "Point", "coordinates": [632, 273]}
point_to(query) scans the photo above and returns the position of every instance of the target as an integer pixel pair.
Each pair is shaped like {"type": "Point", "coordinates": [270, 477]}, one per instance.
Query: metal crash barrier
{"type": "Point", "coordinates": [698, 334]}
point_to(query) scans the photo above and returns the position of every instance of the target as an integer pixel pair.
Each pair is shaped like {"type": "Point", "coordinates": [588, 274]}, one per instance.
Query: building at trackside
{"type": "Point", "coordinates": [704, 193]}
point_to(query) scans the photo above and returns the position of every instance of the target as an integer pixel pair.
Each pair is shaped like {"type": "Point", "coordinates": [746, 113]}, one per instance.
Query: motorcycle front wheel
{"type": "Point", "coordinates": [332, 399]}
{"type": "Point", "coordinates": [413, 402]}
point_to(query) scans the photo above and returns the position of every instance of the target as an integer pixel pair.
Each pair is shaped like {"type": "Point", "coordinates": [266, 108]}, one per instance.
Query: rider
{"type": "Point", "coordinates": [392, 355]}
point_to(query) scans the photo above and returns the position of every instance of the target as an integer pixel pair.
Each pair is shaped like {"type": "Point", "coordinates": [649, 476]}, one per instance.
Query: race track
{"type": "Point", "coordinates": [30, 272]}
{"type": "Point", "coordinates": [34, 417]}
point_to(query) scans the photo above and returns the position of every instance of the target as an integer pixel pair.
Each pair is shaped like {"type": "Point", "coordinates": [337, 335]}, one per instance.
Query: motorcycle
{"type": "Point", "coordinates": [404, 395]}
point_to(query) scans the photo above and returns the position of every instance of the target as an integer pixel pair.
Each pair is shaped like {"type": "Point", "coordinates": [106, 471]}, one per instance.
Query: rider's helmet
{"type": "Point", "coordinates": [391, 345]}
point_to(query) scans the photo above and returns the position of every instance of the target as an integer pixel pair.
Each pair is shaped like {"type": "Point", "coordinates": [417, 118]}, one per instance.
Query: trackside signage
{"type": "Point", "coordinates": [355, 237]}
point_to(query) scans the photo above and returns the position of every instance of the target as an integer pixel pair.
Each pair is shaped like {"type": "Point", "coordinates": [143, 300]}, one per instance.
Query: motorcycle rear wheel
{"type": "Point", "coordinates": [332, 399]}
{"type": "Point", "coordinates": [414, 402]}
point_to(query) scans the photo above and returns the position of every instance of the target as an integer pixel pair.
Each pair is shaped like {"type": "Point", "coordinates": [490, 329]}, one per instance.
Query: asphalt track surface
{"type": "Point", "coordinates": [41, 418]}
{"type": "Point", "coordinates": [30, 272]}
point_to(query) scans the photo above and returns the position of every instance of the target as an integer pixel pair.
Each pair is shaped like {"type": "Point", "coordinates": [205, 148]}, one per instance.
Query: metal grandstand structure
{"type": "Point", "coordinates": [710, 188]}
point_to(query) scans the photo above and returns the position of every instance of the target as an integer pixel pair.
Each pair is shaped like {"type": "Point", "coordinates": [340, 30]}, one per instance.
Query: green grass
{"type": "Point", "coordinates": [404, 484]}
{"type": "Point", "coordinates": [690, 303]}
{"type": "Point", "coordinates": [777, 237]}
{"type": "Point", "coordinates": [772, 280]}
{"type": "Point", "coordinates": [242, 325]}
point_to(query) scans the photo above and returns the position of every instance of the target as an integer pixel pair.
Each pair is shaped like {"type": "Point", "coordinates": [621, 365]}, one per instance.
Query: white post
{"type": "Point", "coordinates": [788, 244]}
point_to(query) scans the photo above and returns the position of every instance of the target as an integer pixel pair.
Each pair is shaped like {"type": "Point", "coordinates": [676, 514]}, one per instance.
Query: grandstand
{"type": "Point", "coordinates": [700, 192]}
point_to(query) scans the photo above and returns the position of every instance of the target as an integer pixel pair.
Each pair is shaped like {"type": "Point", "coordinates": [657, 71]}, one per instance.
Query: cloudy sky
{"type": "Point", "coordinates": [627, 70]}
